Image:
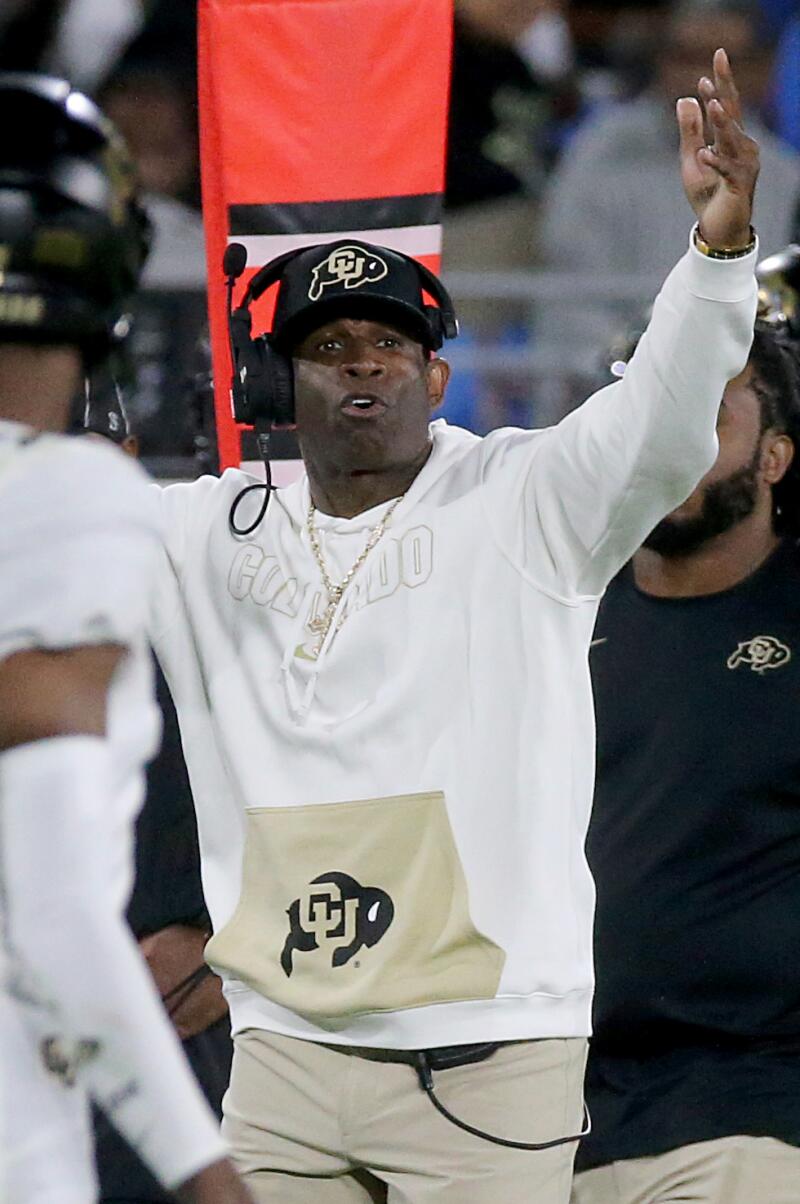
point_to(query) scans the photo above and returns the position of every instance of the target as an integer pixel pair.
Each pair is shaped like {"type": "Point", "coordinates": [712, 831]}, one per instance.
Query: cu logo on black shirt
{"type": "Point", "coordinates": [760, 653]}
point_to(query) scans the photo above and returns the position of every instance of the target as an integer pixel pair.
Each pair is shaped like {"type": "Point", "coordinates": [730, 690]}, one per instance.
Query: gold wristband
{"type": "Point", "coordinates": [723, 252]}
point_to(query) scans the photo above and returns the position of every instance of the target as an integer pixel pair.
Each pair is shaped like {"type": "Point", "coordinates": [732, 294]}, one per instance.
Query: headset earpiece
{"type": "Point", "coordinates": [279, 382]}
{"type": "Point", "coordinates": [263, 379]}
{"type": "Point", "coordinates": [262, 384]}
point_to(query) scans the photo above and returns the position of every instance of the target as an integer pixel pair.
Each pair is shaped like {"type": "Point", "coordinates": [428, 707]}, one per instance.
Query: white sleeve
{"type": "Point", "coordinates": [179, 507]}
{"type": "Point", "coordinates": [75, 966]}
{"type": "Point", "coordinates": [79, 533]}
{"type": "Point", "coordinates": [571, 504]}
{"type": "Point", "coordinates": [186, 511]}
{"type": "Point", "coordinates": [186, 508]}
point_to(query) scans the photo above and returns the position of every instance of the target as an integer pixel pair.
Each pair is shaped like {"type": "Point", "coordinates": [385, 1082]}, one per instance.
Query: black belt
{"type": "Point", "coordinates": [439, 1057]}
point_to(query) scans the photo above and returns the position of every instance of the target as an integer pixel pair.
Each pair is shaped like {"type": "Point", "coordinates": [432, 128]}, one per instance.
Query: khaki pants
{"type": "Point", "coordinates": [729, 1170]}
{"type": "Point", "coordinates": [316, 1124]}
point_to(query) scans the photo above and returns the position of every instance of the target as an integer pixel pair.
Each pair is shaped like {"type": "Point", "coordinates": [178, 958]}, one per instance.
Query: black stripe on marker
{"type": "Point", "coordinates": [326, 217]}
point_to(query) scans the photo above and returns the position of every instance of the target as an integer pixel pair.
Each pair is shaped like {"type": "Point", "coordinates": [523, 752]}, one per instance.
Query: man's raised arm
{"type": "Point", "coordinates": [601, 480]}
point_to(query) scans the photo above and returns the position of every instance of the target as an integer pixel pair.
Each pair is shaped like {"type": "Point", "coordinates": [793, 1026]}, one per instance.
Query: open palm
{"type": "Point", "coordinates": [719, 176]}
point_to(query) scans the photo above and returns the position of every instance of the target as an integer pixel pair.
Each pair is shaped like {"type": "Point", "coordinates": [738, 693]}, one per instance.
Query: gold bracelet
{"type": "Point", "coordinates": [723, 252]}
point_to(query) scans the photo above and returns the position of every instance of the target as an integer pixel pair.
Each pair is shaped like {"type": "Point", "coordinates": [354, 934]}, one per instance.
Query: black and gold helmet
{"type": "Point", "coordinates": [73, 235]}
{"type": "Point", "coordinates": [779, 291]}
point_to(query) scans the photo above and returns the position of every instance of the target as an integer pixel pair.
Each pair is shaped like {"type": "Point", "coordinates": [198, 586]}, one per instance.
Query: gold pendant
{"type": "Point", "coordinates": [320, 624]}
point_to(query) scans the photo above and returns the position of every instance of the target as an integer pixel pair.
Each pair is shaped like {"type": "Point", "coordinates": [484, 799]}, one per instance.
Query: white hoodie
{"type": "Point", "coordinates": [392, 829]}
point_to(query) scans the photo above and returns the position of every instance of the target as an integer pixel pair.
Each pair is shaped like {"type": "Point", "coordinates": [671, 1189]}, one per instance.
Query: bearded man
{"type": "Point", "coordinates": [694, 843]}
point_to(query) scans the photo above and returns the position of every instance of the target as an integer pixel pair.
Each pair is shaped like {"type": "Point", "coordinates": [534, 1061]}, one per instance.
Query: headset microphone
{"type": "Point", "coordinates": [234, 261]}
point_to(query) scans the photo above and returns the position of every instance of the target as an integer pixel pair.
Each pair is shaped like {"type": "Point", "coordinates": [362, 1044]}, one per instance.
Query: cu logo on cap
{"type": "Point", "coordinates": [348, 266]}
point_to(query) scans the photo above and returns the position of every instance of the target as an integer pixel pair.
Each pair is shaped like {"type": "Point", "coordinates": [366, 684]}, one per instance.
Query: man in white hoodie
{"type": "Point", "coordinates": [384, 697]}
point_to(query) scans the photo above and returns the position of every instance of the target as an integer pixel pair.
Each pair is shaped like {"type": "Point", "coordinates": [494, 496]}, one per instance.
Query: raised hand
{"type": "Point", "coordinates": [719, 176]}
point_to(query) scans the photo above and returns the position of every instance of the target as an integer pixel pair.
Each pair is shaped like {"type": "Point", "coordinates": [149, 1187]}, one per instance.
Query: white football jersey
{"type": "Point", "coordinates": [77, 542]}
{"type": "Point", "coordinates": [78, 537]}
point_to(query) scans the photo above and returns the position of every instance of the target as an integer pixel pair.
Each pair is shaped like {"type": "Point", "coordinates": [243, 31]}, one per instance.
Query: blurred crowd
{"type": "Point", "coordinates": [557, 159]}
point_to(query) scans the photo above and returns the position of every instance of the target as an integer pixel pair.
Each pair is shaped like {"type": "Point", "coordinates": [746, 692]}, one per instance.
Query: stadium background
{"type": "Point", "coordinates": [532, 80]}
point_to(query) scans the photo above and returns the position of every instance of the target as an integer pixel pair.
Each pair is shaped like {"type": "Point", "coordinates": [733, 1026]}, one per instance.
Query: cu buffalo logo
{"type": "Point", "coordinates": [348, 266]}
{"type": "Point", "coordinates": [335, 909]}
{"type": "Point", "coordinates": [760, 653]}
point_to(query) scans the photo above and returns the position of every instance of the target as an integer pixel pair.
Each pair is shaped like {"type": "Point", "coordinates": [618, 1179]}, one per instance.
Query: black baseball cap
{"type": "Point", "coordinates": [353, 279]}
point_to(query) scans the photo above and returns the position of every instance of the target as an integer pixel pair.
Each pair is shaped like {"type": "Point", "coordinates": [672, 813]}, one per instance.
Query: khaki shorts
{"type": "Point", "coordinates": [318, 1124]}
{"type": "Point", "coordinates": [728, 1170]}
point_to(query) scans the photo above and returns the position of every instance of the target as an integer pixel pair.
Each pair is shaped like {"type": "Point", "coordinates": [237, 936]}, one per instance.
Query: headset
{"type": "Point", "coordinates": [262, 383]}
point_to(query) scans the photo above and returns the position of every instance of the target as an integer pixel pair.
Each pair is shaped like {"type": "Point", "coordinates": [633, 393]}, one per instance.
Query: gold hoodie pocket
{"type": "Point", "coordinates": [356, 907]}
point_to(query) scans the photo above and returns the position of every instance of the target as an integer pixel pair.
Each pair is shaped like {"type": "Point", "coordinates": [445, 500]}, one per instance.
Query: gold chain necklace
{"type": "Point", "coordinates": [320, 625]}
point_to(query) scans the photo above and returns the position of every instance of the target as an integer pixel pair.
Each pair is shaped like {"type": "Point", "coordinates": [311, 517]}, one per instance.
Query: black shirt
{"type": "Point", "coordinates": [167, 887]}
{"type": "Point", "coordinates": [695, 847]}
